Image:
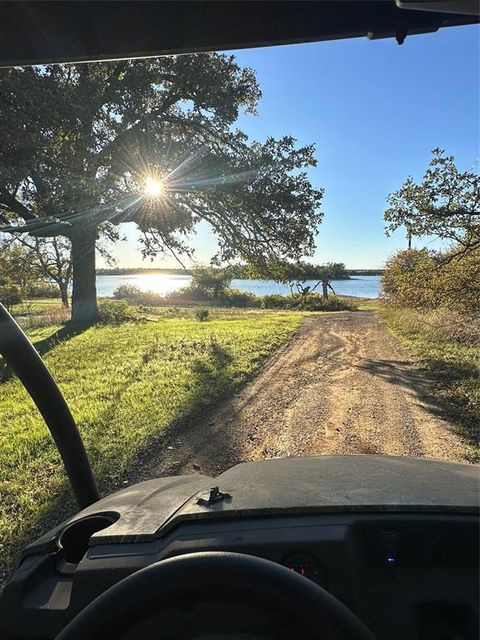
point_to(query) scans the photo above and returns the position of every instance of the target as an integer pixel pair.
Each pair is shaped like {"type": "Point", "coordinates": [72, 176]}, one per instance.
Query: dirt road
{"type": "Point", "coordinates": [341, 385]}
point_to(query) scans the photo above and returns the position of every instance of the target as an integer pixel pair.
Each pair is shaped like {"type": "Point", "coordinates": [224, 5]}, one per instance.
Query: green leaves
{"type": "Point", "coordinates": [80, 141]}
{"type": "Point", "coordinates": [424, 279]}
{"type": "Point", "coordinates": [446, 204]}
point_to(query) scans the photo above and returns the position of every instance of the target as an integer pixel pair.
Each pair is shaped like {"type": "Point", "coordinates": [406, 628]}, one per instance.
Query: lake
{"type": "Point", "coordinates": [359, 286]}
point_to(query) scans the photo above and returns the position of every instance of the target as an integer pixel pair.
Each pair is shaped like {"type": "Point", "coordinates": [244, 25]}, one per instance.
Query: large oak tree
{"type": "Point", "coordinates": [79, 142]}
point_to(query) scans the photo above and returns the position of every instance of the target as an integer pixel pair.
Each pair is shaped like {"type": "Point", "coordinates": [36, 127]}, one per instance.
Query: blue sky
{"type": "Point", "coordinates": [375, 110]}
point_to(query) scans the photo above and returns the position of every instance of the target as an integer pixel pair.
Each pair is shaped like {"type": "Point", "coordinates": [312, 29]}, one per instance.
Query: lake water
{"type": "Point", "coordinates": [360, 286]}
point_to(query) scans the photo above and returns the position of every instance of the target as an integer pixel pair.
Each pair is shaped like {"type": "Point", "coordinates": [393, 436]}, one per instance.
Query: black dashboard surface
{"type": "Point", "coordinates": [323, 484]}
{"type": "Point", "coordinates": [394, 539]}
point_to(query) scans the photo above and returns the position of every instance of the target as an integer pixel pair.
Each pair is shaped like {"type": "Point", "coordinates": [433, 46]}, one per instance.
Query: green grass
{"type": "Point", "coordinates": [29, 307]}
{"type": "Point", "coordinates": [363, 304]}
{"type": "Point", "coordinates": [447, 347]}
{"type": "Point", "coordinates": [125, 385]}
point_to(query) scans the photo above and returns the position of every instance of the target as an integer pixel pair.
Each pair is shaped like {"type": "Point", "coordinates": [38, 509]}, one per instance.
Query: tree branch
{"type": "Point", "coordinates": [15, 206]}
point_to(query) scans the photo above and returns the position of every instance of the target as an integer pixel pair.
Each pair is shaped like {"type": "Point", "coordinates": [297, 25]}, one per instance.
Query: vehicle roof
{"type": "Point", "coordinates": [33, 32]}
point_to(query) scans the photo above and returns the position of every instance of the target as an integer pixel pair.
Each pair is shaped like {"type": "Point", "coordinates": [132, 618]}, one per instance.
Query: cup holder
{"type": "Point", "coordinates": [75, 538]}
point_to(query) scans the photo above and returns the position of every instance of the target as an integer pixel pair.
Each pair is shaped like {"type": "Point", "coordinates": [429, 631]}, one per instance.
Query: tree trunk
{"type": "Point", "coordinates": [63, 294]}
{"type": "Point", "coordinates": [325, 289]}
{"type": "Point", "coordinates": [84, 291]}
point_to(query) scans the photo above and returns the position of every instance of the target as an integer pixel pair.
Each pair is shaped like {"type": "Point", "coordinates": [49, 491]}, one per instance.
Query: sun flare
{"type": "Point", "coordinates": [153, 188]}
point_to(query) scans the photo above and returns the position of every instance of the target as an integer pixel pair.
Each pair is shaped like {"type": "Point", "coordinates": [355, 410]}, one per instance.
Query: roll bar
{"type": "Point", "coordinates": [20, 354]}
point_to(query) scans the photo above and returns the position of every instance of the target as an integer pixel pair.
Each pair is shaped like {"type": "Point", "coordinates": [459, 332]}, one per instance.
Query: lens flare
{"type": "Point", "coordinates": [153, 188]}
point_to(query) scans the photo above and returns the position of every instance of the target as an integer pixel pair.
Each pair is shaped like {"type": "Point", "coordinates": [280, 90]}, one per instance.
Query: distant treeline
{"type": "Point", "coordinates": [237, 272]}
{"type": "Point", "coordinates": [365, 272]}
{"type": "Point", "coordinates": [126, 272]}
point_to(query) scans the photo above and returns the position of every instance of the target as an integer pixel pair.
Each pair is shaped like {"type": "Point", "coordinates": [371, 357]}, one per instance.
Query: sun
{"type": "Point", "coordinates": [153, 188]}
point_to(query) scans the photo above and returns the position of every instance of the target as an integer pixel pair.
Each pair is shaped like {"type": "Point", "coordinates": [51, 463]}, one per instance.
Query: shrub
{"type": "Point", "coordinates": [310, 302]}
{"type": "Point", "coordinates": [236, 298]}
{"type": "Point", "coordinates": [127, 292]}
{"type": "Point", "coordinates": [316, 302]}
{"type": "Point", "coordinates": [276, 301]}
{"type": "Point", "coordinates": [201, 315]}
{"type": "Point", "coordinates": [42, 290]}
{"type": "Point", "coordinates": [134, 294]}
{"type": "Point", "coordinates": [421, 279]}
{"type": "Point", "coordinates": [188, 294]}
{"type": "Point", "coordinates": [227, 298]}
{"type": "Point", "coordinates": [406, 280]}
{"type": "Point", "coordinates": [459, 283]}
{"type": "Point", "coordinates": [10, 294]}
{"type": "Point", "coordinates": [115, 311]}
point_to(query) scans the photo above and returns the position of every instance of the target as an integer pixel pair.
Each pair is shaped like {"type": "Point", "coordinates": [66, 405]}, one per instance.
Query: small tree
{"type": "Point", "coordinates": [17, 273]}
{"type": "Point", "coordinates": [51, 258]}
{"type": "Point", "coordinates": [211, 281]}
{"type": "Point", "coordinates": [328, 272]}
{"type": "Point", "coordinates": [445, 204]}
{"type": "Point", "coordinates": [10, 293]}
{"type": "Point", "coordinates": [407, 279]}
{"type": "Point", "coordinates": [296, 274]}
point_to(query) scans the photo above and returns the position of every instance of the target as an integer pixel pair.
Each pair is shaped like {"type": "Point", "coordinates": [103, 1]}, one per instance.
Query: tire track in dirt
{"type": "Point", "coordinates": [341, 385]}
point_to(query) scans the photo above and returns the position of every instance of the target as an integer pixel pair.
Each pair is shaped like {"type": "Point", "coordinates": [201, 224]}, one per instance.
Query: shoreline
{"type": "Point", "coordinates": [352, 273]}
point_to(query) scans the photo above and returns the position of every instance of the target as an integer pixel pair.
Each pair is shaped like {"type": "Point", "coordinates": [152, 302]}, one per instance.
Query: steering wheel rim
{"type": "Point", "coordinates": [221, 575]}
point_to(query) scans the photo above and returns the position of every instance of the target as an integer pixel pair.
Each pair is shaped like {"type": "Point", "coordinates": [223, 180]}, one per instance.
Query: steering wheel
{"type": "Point", "coordinates": [292, 601]}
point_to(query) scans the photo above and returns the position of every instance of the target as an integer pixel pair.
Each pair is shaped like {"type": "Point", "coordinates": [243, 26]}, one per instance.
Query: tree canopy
{"type": "Point", "coordinates": [80, 142]}
{"type": "Point", "coordinates": [445, 204]}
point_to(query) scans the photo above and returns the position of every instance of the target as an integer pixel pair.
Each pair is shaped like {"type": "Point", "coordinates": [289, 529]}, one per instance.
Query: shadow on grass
{"type": "Point", "coordinates": [206, 372]}
{"type": "Point", "coordinates": [68, 331]}
{"type": "Point", "coordinates": [61, 507]}
{"type": "Point", "coordinates": [437, 387]}
{"type": "Point", "coordinates": [212, 383]}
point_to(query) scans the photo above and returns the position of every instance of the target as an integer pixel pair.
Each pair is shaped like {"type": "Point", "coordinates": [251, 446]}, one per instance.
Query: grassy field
{"type": "Point", "coordinates": [447, 346]}
{"type": "Point", "coordinates": [125, 384]}
{"type": "Point", "coordinates": [363, 304]}
{"type": "Point", "coordinates": [29, 307]}
{"type": "Point", "coordinates": [50, 309]}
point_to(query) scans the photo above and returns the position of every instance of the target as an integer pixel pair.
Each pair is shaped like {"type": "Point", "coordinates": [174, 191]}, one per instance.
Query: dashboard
{"type": "Point", "coordinates": [408, 570]}
{"type": "Point", "coordinates": [405, 576]}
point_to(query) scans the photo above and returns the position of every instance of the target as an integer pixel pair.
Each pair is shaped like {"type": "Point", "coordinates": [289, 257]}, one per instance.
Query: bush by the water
{"type": "Point", "coordinates": [236, 298]}
{"type": "Point", "coordinates": [310, 302]}
{"type": "Point", "coordinates": [213, 282]}
{"type": "Point", "coordinates": [228, 297]}
{"type": "Point", "coordinates": [276, 301]}
{"type": "Point", "coordinates": [135, 295]}
{"type": "Point", "coordinates": [127, 292]}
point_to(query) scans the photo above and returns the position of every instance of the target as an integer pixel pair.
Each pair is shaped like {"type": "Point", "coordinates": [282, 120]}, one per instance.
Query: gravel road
{"type": "Point", "coordinates": [341, 385]}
